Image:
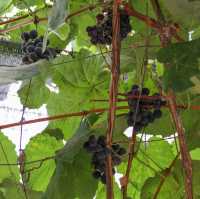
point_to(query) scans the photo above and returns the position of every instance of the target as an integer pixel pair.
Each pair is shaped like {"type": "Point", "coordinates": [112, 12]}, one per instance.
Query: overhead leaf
{"type": "Point", "coordinates": [58, 14]}
{"type": "Point", "coordinates": [181, 62]}
{"type": "Point", "coordinates": [13, 73]}
{"type": "Point", "coordinates": [40, 147]}
{"type": "Point", "coordinates": [8, 156]}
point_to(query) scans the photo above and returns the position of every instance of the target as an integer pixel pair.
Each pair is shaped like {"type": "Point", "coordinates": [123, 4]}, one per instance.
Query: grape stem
{"type": "Point", "coordinates": [185, 155]}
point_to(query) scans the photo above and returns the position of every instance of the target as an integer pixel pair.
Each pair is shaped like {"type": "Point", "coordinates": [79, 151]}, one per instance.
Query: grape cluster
{"type": "Point", "coordinates": [97, 147]}
{"type": "Point", "coordinates": [140, 113]}
{"type": "Point", "coordinates": [101, 33]}
{"type": "Point", "coordinates": [32, 48]}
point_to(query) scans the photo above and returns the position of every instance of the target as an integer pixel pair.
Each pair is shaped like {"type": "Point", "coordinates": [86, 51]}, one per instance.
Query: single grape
{"type": "Point", "coordinates": [116, 147]}
{"type": "Point", "coordinates": [100, 167]}
{"type": "Point", "coordinates": [145, 91]}
{"type": "Point", "coordinates": [116, 160]}
{"type": "Point", "coordinates": [100, 17]}
{"type": "Point", "coordinates": [135, 87]}
{"type": "Point", "coordinates": [39, 44]}
{"type": "Point", "coordinates": [25, 60]}
{"type": "Point", "coordinates": [157, 113]}
{"type": "Point", "coordinates": [38, 51]}
{"type": "Point", "coordinates": [96, 174]}
{"type": "Point", "coordinates": [33, 34]}
{"type": "Point", "coordinates": [86, 145]}
{"type": "Point", "coordinates": [102, 140]}
{"type": "Point", "coordinates": [121, 151]}
{"type": "Point", "coordinates": [33, 56]}
{"type": "Point", "coordinates": [94, 41]}
{"type": "Point", "coordinates": [30, 48]}
{"type": "Point", "coordinates": [25, 36]}
{"type": "Point", "coordinates": [92, 139]}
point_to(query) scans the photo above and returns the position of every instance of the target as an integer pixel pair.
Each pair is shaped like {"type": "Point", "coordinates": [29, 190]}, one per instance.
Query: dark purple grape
{"type": "Point", "coordinates": [121, 151]}
{"type": "Point", "coordinates": [86, 145]}
{"type": "Point", "coordinates": [89, 29]}
{"type": "Point", "coordinates": [135, 87]}
{"type": "Point", "coordinates": [30, 48]}
{"type": "Point", "coordinates": [100, 17]}
{"type": "Point", "coordinates": [163, 103]}
{"type": "Point", "coordinates": [25, 36]}
{"type": "Point", "coordinates": [38, 51]}
{"type": "Point", "coordinates": [100, 167]}
{"type": "Point", "coordinates": [96, 174]}
{"type": "Point", "coordinates": [157, 113]}
{"type": "Point", "coordinates": [102, 140]}
{"type": "Point", "coordinates": [116, 147]}
{"type": "Point", "coordinates": [33, 56]}
{"type": "Point", "coordinates": [33, 34]}
{"type": "Point", "coordinates": [39, 44]}
{"type": "Point", "coordinates": [25, 60]}
{"type": "Point", "coordinates": [92, 139]}
{"type": "Point", "coordinates": [145, 91]}
{"type": "Point", "coordinates": [94, 41]}
{"type": "Point", "coordinates": [116, 160]}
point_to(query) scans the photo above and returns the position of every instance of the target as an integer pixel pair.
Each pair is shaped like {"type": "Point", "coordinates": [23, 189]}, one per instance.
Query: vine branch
{"type": "Point", "coordinates": [186, 159]}
{"type": "Point", "coordinates": [115, 71]}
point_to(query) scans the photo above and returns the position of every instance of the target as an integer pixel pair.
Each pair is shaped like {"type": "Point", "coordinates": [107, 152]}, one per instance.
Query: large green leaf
{"type": "Point", "coordinates": [40, 147]}
{"type": "Point", "coordinates": [79, 80]}
{"type": "Point", "coordinates": [7, 156]}
{"type": "Point", "coordinates": [181, 62]}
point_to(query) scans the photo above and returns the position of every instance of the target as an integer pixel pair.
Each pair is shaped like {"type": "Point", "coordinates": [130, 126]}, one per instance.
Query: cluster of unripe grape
{"type": "Point", "coordinates": [143, 110]}
{"type": "Point", "coordinates": [99, 150]}
{"type": "Point", "coordinates": [32, 48]}
{"type": "Point", "coordinates": [101, 33]}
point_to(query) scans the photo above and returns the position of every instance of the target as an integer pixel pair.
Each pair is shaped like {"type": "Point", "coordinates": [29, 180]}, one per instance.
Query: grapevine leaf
{"type": "Point", "coordinates": [4, 5]}
{"type": "Point", "coordinates": [11, 189]}
{"type": "Point", "coordinates": [8, 155]}
{"type": "Point", "coordinates": [73, 168]}
{"type": "Point", "coordinates": [34, 101]}
{"type": "Point", "coordinates": [58, 14]}
{"type": "Point", "coordinates": [39, 147]}
{"type": "Point", "coordinates": [181, 64]}
{"type": "Point", "coordinates": [178, 175]}
{"type": "Point", "coordinates": [155, 151]}
{"type": "Point", "coordinates": [195, 154]}
{"type": "Point", "coordinates": [170, 188]}
{"type": "Point", "coordinates": [184, 12]}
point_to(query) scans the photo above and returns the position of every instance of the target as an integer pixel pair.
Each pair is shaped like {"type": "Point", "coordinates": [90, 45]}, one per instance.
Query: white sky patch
{"type": "Point", "coordinates": [11, 111]}
{"type": "Point", "coordinates": [52, 86]}
{"type": "Point", "coordinates": [190, 35]}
